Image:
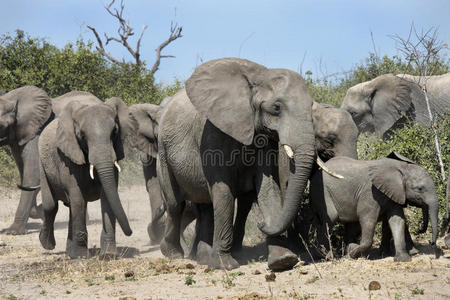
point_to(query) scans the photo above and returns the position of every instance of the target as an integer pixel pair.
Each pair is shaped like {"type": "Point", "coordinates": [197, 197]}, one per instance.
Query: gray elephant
{"type": "Point", "coordinates": [378, 189]}
{"type": "Point", "coordinates": [214, 144]}
{"type": "Point", "coordinates": [24, 112]}
{"type": "Point", "coordinates": [147, 119]}
{"type": "Point", "coordinates": [79, 151]}
{"type": "Point", "coordinates": [335, 135]}
{"type": "Point", "coordinates": [388, 101]}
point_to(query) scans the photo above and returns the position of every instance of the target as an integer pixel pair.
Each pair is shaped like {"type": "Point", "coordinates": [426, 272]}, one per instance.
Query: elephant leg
{"type": "Point", "coordinates": [155, 228]}
{"type": "Point", "coordinates": [244, 205]}
{"type": "Point", "coordinates": [108, 235]}
{"type": "Point", "coordinates": [351, 232]}
{"type": "Point", "coordinates": [204, 231]}
{"type": "Point", "coordinates": [223, 204]}
{"type": "Point", "coordinates": [77, 238]}
{"type": "Point", "coordinates": [412, 250]}
{"type": "Point", "coordinates": [50, 207]}
{"type": "Point", "coordinates": [386, 236]}
{"type": "Point", "coordinates": [368, 223]}
{"type": "Point", "coordinates": [27, 160]}
{"type": "Point", "coordinates": [170, 245]}
{"type": "Point", "coordinates": [396, 220]}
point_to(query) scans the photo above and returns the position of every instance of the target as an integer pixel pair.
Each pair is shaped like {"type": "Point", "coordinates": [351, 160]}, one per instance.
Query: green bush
{"type": "Point", "coordinates": [34, 61]}
{"type": "Point", "coordinates": [416, 143]}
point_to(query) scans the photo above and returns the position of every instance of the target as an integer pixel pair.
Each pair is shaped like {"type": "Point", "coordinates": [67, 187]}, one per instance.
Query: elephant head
{"type": "Point", "coordinates": [23, 113]}
{"type": "Point", "coordinates": [244, 99]}
{"type": "Point", "coordinates": [147, 118]}
{"type": "Point", "coordinates": [382, 103]}
{"type": "Point", "coordinates": [95, 134]}
{"type": "Point", "coordinates": [407, 183]}
{"type": "Point", "coordinates": [335, 132]}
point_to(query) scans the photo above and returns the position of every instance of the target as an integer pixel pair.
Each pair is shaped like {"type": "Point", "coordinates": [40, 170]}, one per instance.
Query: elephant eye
{"type": "Point", "coordinates": [276, 108]}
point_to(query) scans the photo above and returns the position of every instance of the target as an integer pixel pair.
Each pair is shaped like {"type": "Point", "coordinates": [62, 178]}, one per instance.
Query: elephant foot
{"type": "Point", "coordinates": [447, 241]}
{"type": "Point", "coordinates": [37, 212]}
{"type": "Point", "coordinates": [402, 257]}
{"type": "Point", "coordinates": [413, 251]}
{"type": "Point", "coordinates": [171, 251]}
{"type": "Point", "coordinates": [281, 258]}
{"type": "Point", "coordinates": [206, 255]}
{"type": "Point", "coordinates": [353, 250]}
{"type": "Point", "coordinates": [74, 250]}
{"type": "Point", "coordinates": [16, 229]}
{"type": "Point", "coordinates": [47, 238]}
{"type": "Point", "coordinates": [108, 248]}
{"type": "Point", "coordinates": [155, 233]}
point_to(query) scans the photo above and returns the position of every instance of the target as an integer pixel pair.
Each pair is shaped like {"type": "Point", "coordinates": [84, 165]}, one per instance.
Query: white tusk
{"type": "Point", "coordinates": [91, 171]}
{"type": "Point", "coordinates": [117, 166]}
{"type": "Point", "coordinates": [289, 151]}
{"type": "Point", "coordinates": [323, 167]}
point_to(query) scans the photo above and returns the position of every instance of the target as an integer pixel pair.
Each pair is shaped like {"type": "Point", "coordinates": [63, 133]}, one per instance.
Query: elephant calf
{"type": "Point", "coordinates": [78, 153]}
{"type": "Point", "coordinates": [371, 191]}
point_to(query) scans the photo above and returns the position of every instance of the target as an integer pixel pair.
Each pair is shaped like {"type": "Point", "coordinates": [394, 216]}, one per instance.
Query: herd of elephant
{"type": "Point", "coordinates": [238, 133]}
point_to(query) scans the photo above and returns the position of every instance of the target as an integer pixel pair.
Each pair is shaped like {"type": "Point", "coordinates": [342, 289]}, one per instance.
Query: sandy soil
{"type": "Point", "coordinates": [27, 271]}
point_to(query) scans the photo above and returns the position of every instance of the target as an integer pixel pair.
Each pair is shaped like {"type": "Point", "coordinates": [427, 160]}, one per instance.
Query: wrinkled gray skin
{"type": "Point", "coordinates": [335, 135]}
{"type": "Point", "coordinates": [86, 132]}
{"type": "Point", "coordinates": [23, 114]}
{"type": "Point", "coordinates": [204, 137]}
{"type": "Point", "coordinates": [147, 119]}
{"type": "Point", "coordinates": [381, 189]}
{"type": "Point", "coordinates": [388, 101]}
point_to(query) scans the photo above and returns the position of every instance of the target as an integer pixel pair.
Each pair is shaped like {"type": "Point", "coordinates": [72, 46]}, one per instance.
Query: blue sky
{"type": "Point", "coordinates": [332, 35]}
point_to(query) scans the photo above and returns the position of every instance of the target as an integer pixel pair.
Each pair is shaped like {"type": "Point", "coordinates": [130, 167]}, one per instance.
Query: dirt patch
{"type": "Point", "coordinates": [27, 271]}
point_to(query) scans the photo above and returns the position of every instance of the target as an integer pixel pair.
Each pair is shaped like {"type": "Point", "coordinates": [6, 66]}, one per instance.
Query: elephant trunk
{"type": "Point", "coordinates": [303, 155]}
{"type": "Point", "coordinates": [425, 215]}
{"type": "Point", "coordinates": [106, 174]}
{"type": "Point", "coordinates": [433, 214]}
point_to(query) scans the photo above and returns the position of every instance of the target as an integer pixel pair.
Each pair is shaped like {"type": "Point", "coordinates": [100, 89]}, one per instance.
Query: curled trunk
{"type": "Point", "coordinates": [304, 154]}
{"type": "Point", "coordinates": [107, 178]}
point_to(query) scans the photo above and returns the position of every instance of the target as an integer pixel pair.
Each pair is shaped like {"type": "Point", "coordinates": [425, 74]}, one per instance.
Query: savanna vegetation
{"type": "Point", "coordinates": [26, 60]}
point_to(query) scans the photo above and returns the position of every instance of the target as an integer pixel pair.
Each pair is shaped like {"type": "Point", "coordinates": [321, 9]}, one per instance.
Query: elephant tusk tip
{"type": "Point", "coordinates": [288, 151]}
{"type": "Point", "coordinates": [91, 171]}
{"type": "Point", "coordinates": [117, 166]}
{"type": "Point", "coordinates": [322, 165]}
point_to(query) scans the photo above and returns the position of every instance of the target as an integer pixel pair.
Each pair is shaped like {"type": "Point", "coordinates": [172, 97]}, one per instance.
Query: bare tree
{"type": "Point", "coordinates": [422, 50]}
{"type": "Point", "coordinates": [125, 31]}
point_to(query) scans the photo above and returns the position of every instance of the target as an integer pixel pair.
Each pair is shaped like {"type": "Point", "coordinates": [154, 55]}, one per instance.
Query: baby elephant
{"type": "Point", "coordinates": [372, 191]}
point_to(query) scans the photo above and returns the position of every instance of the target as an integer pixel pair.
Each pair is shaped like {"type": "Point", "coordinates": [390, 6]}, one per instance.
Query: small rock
{"type": "Point", "coordinates": [271, 277]}
{"type": "Point", "coordinates": [256, 272]}
{"type": "Point", "coordinates": [190, 266]}
{"type": "Point", "coordinates": [2, 243]}
{"type": "Point", "coordinates": [129, 274]}
{"type": "Point", "coordinates": [374, 285]}
{"type": "Point", "coordinates": [127, 298]}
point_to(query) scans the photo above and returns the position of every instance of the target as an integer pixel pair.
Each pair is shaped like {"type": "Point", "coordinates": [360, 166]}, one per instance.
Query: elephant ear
{"type": "Point", "coordinates": [390, 99]}
{"type": "Point", "coordinates": [127, 125]}
{"type": "Point", "coordinates": [389, 180]}
{"type": "Point", "coordinates": [221, 91]}
{"type": "Point", "coordinates": [398, 156]}
{"type": "Point", "coordinates": [33, 111]}
{"type": "Point", "coordinates": [66, 139]}
{"type": "Point", "coordinates": [147, 117]}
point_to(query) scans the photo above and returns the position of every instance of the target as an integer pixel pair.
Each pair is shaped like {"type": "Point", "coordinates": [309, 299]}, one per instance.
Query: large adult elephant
{"type": "Point", "coordinates": [24, 112]}
{"type": "Point", "coordinates": [79, 151]}
{"type": "Point", "coordinates": [388, 101]}
{"type": "Point", "coordinates": [217, 141]}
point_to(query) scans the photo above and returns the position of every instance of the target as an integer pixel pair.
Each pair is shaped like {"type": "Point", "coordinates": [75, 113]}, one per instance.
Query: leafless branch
{"type": "Point", "coordinates": [125, 31]}
{"type": "Point", "coordinates": [421, 49]}
{"type": "Point", "coordinates": [175, 33]}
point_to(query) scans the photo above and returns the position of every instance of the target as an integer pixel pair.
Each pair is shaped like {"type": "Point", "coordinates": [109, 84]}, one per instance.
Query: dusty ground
{"type": "Point", "coordinates": [28, 271]}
